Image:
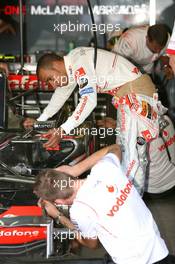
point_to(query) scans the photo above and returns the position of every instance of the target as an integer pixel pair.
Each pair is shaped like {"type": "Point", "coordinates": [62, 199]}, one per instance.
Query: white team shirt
{"type": "Point", "coordinates": [161, 171]}
{"type": "Point", "coordinates": [171, 45]}
{"type": "Point", "coordinates": [132, 45]}
{"type": "Point", "coordinates": [111, 72]}
{"type": "Point", "coordinates": [108, 206]}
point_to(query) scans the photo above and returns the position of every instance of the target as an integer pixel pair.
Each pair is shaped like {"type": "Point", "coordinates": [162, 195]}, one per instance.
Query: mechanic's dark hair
{"type": "Point", "coordinates": [158, 33]}
{"type": "Point", "coordinates": [46, 61]}
{"type": "Point", "coordinates": [52, 184]}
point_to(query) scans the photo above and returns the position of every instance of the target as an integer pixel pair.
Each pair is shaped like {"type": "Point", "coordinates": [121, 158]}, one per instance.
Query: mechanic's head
{"type": "Point", "coordinates": [51, 69]}
{"type": "Point", "coordinates": [157, 37]}
{"type": "Point", "coordinates": [56, 186]}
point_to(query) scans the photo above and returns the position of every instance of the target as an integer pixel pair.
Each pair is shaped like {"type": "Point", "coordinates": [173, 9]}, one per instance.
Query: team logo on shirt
{"type": "Point", "coordinates": [83, 104]}
{"type": "Point", "coordinates": [112, 188]}
{"type": "Point", "coordinates": [83, 81]}
{"type": "Point", "coordinates": [167, 143]}
{"type": "Point", "coordinates": [130, 167]}
{"type": "Point", "coordinates": [135, 70]}
{"type": "Point", "coordinates": [153, 114]}
{"type": "Point", "coordinates": [120, 200]}
{"type": "Point", "coordinates": [147, 135]}
{"type": "Point", "coordinates": [148, 111]}
{"type": "Point", "coordinates": [141, 141]}
{"type": "Point", "coordinates": [82, 52]}
{"type": "Point", "coordinates": [144, 111]}
{"type": "Point", "coordinates": [87, 90]}
{"type": "Point", "coordinates": [79, 73]}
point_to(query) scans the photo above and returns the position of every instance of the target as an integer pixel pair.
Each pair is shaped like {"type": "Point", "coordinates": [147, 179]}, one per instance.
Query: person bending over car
{"type": "Point", "coordinates": [133, 95]}
{"type": "Point", "coordinates": [105, 206]}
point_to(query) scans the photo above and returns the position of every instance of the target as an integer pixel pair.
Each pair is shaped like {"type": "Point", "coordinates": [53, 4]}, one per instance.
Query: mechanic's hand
{"type": "Point", "coordinates": [107, 122]}
{"type": "Point", "coordinates": [168, 72]}
{"type": "Point", "coordinates": [28, 123]}
{"type": "Point", "coordinates": [67, 169]}
{"type": "Point", "coordinates": [54, 136]}
{"type": "Point", "coordinates": [51, 209]}
{"type": "Point", "coordinates": [4, 67]}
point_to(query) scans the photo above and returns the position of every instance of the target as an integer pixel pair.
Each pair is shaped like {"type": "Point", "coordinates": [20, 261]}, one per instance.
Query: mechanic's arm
{"type": "Point", "coordinates": [87, 242]}
{"type": "Point", "coordinates": [85, 107]}
{"type": "Point", "coordinates": [59, 97]}
{"type": "Point", "coordinates": [88, 101]}
{"type": "Point", "coordinates": [54, 213]}
{"type": "Point", "coordinates": [89, 162]}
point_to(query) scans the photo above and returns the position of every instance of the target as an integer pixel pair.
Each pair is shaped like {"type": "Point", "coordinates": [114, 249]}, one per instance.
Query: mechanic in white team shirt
{"type": "Point", "coordinates": [160, 176]}
{"type": "Point", "coordinates": [171, 50]}
{"type": "Point", "coordinates": [105, 206]}
{"type": "Point", "coordinates": [143, 45]}
{"type": "Point", "coordinates": [133, 95]}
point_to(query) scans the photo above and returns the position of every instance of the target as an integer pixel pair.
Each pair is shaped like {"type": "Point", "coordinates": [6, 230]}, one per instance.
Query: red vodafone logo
{"type": "Point", "coordinates": [120, 200]}
{"type": "Point", "coordinates": [110, 188]}
{"type": "Point", "coordinates": [19, 235]}
{"type": "Point", "coordinates": [147, 135]}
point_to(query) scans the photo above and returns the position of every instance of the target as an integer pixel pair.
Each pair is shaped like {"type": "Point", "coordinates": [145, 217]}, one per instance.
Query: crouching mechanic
{"type": "Point", "coordinates": [105, 206]}
{"type": "Point", "coordinates": [133, 95]}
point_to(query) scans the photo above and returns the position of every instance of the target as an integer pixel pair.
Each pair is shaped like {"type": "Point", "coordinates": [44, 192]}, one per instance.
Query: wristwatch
{"type": "Point", "coordinates": [57, 219]}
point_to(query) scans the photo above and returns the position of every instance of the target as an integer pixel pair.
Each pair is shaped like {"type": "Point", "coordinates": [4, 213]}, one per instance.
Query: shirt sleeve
{"type": "Point", "coordinates": [58, 99]}
{"type": "Point", "coordinates": [171, 45]}
{"type": "Point", "coordinates": [86, 79]}
{"type": "Point", "coordinates": [124, 46]}
{"type": "Point", "coordinates": [110, 162]}
{"type": "Point", "coordinates": [112, 158]}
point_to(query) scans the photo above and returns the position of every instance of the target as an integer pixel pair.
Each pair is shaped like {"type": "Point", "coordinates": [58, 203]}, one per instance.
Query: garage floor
{"type": "Point", "coordinates": [163, 210]}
